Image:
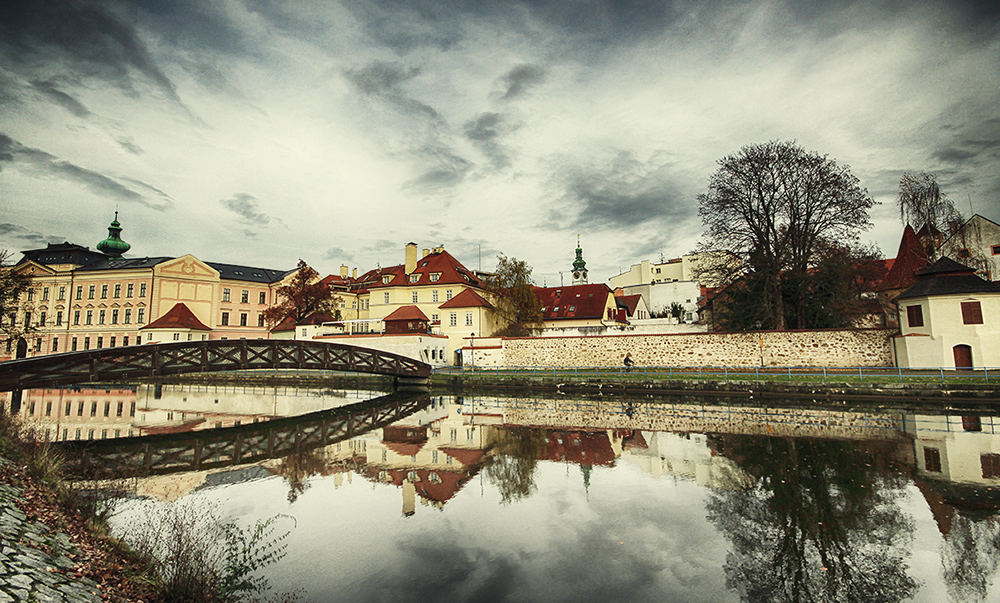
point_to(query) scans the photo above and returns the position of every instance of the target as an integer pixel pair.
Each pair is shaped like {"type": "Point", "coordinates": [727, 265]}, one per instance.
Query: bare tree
{"type": "Point", "coordinates": [771, 204]}
{"type": "Point", "coordinates": [517, 307]}
{"type": "Point", "coordinates": [922, 203]}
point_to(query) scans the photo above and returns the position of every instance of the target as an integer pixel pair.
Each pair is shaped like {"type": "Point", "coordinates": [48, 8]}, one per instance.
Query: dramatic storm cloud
{"type": "Point", "coordinates": [505, 127]}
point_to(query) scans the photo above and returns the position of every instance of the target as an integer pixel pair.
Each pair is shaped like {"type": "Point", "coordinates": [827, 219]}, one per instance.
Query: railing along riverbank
{"type": "Point", "coordinates": [867, 381]}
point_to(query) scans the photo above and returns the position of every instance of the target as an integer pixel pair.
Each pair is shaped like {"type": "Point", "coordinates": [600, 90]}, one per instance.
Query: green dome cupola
{"type": "Point", "coordinates": [579, 266]}
{"type": "Point", "coordinates": [114, 246]}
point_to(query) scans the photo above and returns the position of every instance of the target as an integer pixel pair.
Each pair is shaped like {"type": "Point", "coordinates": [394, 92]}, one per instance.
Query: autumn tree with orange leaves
{"type": "Point", "coordinates": [303, 295]}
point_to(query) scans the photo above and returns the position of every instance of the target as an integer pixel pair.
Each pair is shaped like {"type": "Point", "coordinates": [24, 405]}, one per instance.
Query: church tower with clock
{"type": "Point", "coordinates": [579, 266]}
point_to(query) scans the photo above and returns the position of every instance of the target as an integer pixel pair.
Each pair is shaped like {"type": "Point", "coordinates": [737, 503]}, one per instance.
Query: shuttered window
{"type": "Point", "coordinates": [915, 316]}
{"type": "Point", "coordinates": [972, 313]}
{"type": "Point", "coordinates": [991, 465]}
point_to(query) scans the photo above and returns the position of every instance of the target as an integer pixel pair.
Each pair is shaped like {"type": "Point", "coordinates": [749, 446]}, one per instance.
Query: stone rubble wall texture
{"type": "Point", "coordinates": [697, 418]}
{"type": "Point", "coordinates": [844, 348]}
{"type": "Point", "coordinates": [34, 565]}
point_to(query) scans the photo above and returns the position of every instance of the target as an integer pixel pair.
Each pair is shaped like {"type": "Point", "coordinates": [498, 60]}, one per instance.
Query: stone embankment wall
{"type": "Point", "coordinates": [855, 347]}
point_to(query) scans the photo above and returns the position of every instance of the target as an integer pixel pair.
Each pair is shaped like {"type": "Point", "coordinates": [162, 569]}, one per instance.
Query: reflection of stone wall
{"type": "Point", "coordinates": [697, 418]}
{"type": "Point", "coordinates": [862, 347]}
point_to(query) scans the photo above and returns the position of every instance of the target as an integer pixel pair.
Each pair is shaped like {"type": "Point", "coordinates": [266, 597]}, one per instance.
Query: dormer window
{"type": "Point", "coordinates": [386, 279]}
{"type": "Point", "coordinates": [435, 277]}
{"type": "Point", "coordinates": [572, 308]}
{"type": "Point", "coordinates": [414, 278]}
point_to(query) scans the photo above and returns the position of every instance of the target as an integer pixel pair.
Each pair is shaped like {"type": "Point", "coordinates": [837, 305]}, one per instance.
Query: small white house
{"type": "Point", "coordinates": [949, 318]}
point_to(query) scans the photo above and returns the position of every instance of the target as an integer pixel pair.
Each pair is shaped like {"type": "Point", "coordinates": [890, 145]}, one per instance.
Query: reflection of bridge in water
{"type": "Point", "coordinates": [194, 451]}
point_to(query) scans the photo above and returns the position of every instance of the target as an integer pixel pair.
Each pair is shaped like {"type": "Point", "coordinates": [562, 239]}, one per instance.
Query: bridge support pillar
{"type": "Point", "coordinates": [411, 384]}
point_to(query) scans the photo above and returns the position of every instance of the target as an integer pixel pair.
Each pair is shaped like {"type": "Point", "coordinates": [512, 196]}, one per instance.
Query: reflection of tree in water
{"type": "Point", "coordinates": [821, 522]}
{"type": "Point", "coordinates": [513, 459]}
{"type": "Point", "coordinates": [970, 556]}
{"type": "Point", "coordinates": [296, 469]}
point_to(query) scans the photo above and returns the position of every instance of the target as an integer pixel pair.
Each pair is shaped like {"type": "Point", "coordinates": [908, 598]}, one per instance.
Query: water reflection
{"type": "Point", "coordinates": [536, 498]}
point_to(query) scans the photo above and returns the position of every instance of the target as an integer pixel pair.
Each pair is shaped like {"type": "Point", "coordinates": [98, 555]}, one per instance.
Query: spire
{"type": "Point", "coordinates": [579, 266]}
{"type": "Point", "coordinates": [114, 246]}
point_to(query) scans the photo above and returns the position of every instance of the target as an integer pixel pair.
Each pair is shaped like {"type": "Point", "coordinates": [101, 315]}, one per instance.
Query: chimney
{"type": "Point", "coordinates": [411, 257]}
{"type": "Point", "coordinates": [354, 273]}
{"type": "Point", "coordinates": [343, 271]}
{"type": "Point", "coordinates": [426, 252]}
{"type": "Point", "coordinates": [438, 249]}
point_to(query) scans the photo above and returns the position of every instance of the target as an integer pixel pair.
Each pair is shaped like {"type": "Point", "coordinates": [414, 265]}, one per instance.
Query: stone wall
{"type": "Point", "coordinates": [857, 347]}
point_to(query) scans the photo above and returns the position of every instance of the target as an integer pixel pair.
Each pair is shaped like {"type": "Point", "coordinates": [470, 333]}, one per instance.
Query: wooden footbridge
{"type": "Point", "coordinates": [223, 447]}
{"type": "Point", "coordinates": [152, 360]}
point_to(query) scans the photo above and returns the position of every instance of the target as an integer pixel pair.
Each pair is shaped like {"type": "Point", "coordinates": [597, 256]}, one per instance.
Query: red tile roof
{"type": "Point", "coordinates": [466, 299]}
{"type": "Point", "coordinates": [317, 318]}
{"type": "Point", "coordinates": [287, 324]}
{"type": "Point", "coordinates": [442, 263]}
{"type": "Point", "coordinates": [910, 259]}
{"type": "Point", "coordinates": [406, 313]}
{"type": "Point", "coordinates": [179, 317]}
{"type": "Point", "coordinates": [573, 302]}
{"type": "Point", "coordinates": [631, 302]}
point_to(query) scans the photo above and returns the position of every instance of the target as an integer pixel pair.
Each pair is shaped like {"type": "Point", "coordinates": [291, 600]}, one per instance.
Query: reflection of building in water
{"type": "Point", "coordinates": [684, 455]}
{"type": "Point", "coordinates": [430, 455]}
{"type": "Point", "coordinates": [957, 448]}
{"type": "Point", "coordinates": [80, 413]}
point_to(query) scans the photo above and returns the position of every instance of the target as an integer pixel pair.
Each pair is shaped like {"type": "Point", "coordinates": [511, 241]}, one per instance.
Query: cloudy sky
{"type": "Point", "coordinates": [258, 132]}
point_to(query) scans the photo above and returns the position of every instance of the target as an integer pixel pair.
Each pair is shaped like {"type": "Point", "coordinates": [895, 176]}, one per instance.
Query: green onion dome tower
{"type": "Point", "coordinates": [114, 246]}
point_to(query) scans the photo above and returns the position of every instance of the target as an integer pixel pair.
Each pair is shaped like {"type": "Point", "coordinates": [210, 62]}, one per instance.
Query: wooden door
{"type": "Point", "coordinates": [963, 356]}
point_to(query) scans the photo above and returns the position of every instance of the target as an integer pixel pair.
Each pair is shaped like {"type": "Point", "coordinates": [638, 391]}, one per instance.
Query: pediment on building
{"type": "Point", "coordinates": [32, 268]}
{"type": "Point", "coordinates": [188, 267]}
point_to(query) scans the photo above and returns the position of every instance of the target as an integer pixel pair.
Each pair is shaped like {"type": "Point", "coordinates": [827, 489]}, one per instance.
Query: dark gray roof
{"type": "Point", "coordinates": [948, 277]}
{"type": "Point", "coordinates": [110, 263]}
{"type": "Point", "coordinates": [248, 273]}
{"type": "Point", "coordinates": [62, 253]}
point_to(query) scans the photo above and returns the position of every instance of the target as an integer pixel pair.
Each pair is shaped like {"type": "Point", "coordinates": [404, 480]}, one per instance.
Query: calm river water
{"type": "Point", "coordinates": [481, 498]}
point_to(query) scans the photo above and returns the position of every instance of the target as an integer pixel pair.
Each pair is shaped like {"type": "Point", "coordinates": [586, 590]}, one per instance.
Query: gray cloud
{"type": "Point", "coordinates": [338, 253]}
{"type": "Point", "coordinates": [624, 193]}
{"type": "Point", "coordinates": [13, 152]}
{"type": "Point", "coordinates": [13, 231]}
{"type": "Point", "coordinates": [445, 169]}
{"type": "Point", "coordinates": [128, 145]}
{"type": "Point", "coordinates": [246, 210]}
{"type": "Point", "coordinates": [485, 131]}
{"type": "Point", "coordinates": [91, 39]}
{"type": "Point", "coordinates": [50, 91]}
{"type": "Point", "coordinates": [519, 79]}
{"type": "Point", "coordinates": [383, 80]}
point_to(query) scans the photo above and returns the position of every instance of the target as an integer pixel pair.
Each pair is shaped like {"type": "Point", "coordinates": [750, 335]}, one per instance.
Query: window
{"type": "Point", "coordinates": [225, 318]}
{"type": "Point", "coordinates": [104, 292]}
{"type": "Point", "coordinates": [447, 294]}
{"type": "Point", "coordinates": [72, 345]}
{"type": "Point", "coordinates": [386, 279]}
{"type": "Point", "coordinates": [434, 318]}
{"type": "Point", "coordinates": [90, 317]}
{"type": "Point", "coordinates": [93, 409]}
{"type": "Point", "coordinates": [991, 465]}
{"type": "Point", "coordinates": [79, 291]}
{"type": "Point", "coordinates": [114, 317]}
{"type": "Point", "coordinates": [225, 295]}
{"type": "Point", "coordinates": [100, 342]}
{"type": "Point", "coordinates": [453, 319]}
{"type": "Point", "coordinates": [45, 294]}
{"type": "Point", "coordinates": [113, 340]}
{"type": "Point", "coordinates": [31, 295]}
{"type": "Point", "coordinates": [48, 408]}
{"type": "Point", "coordinates": [243, 319]}
{"type": "Point", "coordinates": [995, 249]}
{"type": "Point", "coordinates": [177, 336]}
{"type": "Point", "coordinates": [468, 319]}
{"type": "Point", "coordinates": [129, 289]}
{"type": "Point", "coordinates": [932, 460]}
{"type": "Point", "coordinates": [38, 344]}
{"type": "Point", "coordinates": [125, 341]}
{"type": "Point", "coordinates": [435, 277]}
{"type": "Point", "coordinates": [58, 318]}
{"type": "Point", "coordinates": [434, 296]}
{"type": "Point", "coordinates": [142, 289]}
{"type": "Point", "coordinates": [91, 291]}
{"type": "Point", "coordinates": [263, 298]}
{"type": "Point", "coordinates": [415, 278]}
{"type": "Point", "coordinates": [62, 293]}
{"type": "Point", "coordinates": [128, 316]}
{"type": "Point", "coordinates": [41, 319]}
{"type": "Point", "coordinates": [100, 316]}
{"type": "Point", "coordinates": [260, 319]}
{"type": "Point", "coordinates": [79, 409]}
{"type": "Point", "coordinates": [972, 423]}
{"type": "Point", "coordinates": [245, 297]}
{"type": "Point", "coordinates": [118, 290]}
{"type": "Point", "coordinates": [55, 344]}
{"type": "Point", "coordinates": [914, 316]}
{"type": "Point", "coordinates": [972, 313]}
{"type": "Point", "coordinates": [385, 297]}
{"type": "Point", "coordinates": [86, 343]}
{"type": "Point", "coordinates": [414, 296]}
{"type": "Point", "coordinates": [140, 319]}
